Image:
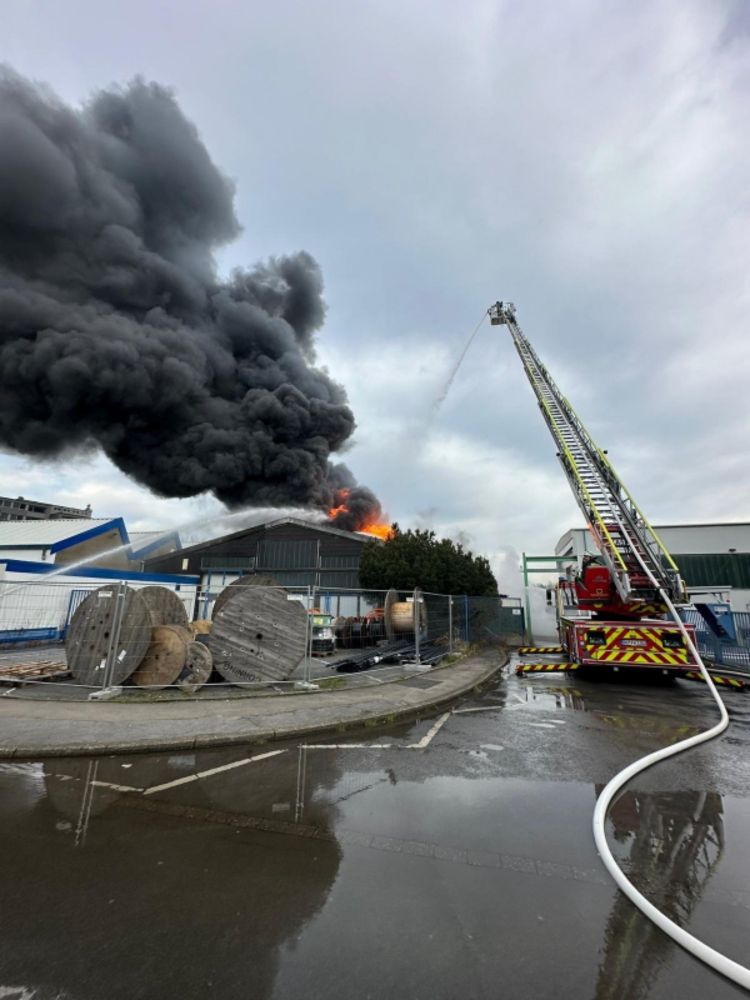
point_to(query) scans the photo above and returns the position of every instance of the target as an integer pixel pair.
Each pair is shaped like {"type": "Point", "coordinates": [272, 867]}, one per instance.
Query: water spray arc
{"type": "Point", "coordinates": [66, 568]}
{"type": "Point", "coordinates": [443, 394]}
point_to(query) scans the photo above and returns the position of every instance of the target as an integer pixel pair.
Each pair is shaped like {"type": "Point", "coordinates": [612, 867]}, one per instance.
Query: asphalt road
{"type": "Point", "coordinates": [449, 858]}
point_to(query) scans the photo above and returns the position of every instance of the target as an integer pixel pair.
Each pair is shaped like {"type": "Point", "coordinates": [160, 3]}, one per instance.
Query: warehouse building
{"type": "Point", "coordinates": [295, 553]}
{"type": "Point", "coordinates": [714, 559]}
{"type": "Point", "coordinates": [47, 567]}
{"type": "Point", "coordinates": [101, 542]}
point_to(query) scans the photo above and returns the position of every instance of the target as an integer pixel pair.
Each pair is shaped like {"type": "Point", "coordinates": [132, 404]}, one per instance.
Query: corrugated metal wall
{"type": "Point", "coordinates": [730, 569]}
{"type": "Point", "coordinates": [285, 554]}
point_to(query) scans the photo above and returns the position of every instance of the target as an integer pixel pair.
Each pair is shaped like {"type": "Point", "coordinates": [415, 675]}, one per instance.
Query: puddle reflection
{"type": "Point", "coordinates": [669, 845]}
{"type": "Point", "coordinates": [185, 893]}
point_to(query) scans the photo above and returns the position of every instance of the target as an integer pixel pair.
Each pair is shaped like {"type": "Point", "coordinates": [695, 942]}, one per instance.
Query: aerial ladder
{"type": "Point", "coordinates": [611, 606]}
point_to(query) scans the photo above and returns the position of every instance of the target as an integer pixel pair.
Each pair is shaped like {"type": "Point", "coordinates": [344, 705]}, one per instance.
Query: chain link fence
{"type": "Point", "coordinates": [85, 639]}
{"type": "Point", "coordinates": [734, 655]}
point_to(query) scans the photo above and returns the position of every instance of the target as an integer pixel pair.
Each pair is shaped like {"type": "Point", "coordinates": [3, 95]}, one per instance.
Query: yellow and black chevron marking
{"type": "Point", "coordinates": [651, 609]}
{"type": "Point", "coordinates": [540, 649]}
{"type": "Point", "coordinates": [642, 610]}
{"type": "Point", "coordinates": [544, 668]}
{"type": "Point", "coordinates": [611, 652]}
{"type": "Point", "coordinates": [635, 722]}
{"type": "Point", "coordinates": [719, 679]}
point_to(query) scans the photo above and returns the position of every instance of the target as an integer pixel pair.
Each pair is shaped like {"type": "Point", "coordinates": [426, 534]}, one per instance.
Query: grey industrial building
{"type": "Point", "coordinates": [21, 509]}
{"type": "Point", "coordinates": [296, 553]}
{"type": "Point", "coordinates": [714, 559]}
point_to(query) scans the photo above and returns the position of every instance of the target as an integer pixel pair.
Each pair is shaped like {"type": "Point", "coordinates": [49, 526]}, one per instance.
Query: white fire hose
{"type": "Point", "coordinates": [732, 970]}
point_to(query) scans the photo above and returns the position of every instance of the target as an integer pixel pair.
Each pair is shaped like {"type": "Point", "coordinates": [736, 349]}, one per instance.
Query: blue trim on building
{"type": "Point", "coordinates": [85, 536]}
{"type": "Point", "coordinates": [164, 539]}
{"type": "Point", "coordinates": [45, 569]}
{"type": "Point", "coordinates": [31, 635]}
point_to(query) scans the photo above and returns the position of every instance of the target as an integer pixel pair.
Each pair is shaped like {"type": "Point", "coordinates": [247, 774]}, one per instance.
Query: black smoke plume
{"type": "Point", "coordinates": [115, 331]}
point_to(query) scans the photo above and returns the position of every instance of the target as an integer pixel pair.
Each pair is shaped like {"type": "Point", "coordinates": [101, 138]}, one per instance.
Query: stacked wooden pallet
{"type": "Point", "coordinates": [36, 670]}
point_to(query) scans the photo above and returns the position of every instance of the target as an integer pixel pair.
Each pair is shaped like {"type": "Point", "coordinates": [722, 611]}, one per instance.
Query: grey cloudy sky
{"type": "Point", "coordinates": [586, 160]}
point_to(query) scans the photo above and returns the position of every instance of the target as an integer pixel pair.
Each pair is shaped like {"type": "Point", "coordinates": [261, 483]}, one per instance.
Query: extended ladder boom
{"type": "Point", "coordinates": [633, 552]}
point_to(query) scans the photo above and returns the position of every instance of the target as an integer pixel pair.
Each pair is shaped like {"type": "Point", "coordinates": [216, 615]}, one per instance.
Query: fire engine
{"type": "Point", "coordinates": [611, 607]}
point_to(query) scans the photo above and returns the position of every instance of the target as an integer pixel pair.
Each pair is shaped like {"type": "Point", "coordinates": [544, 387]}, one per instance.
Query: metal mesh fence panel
{"type": "Point", "coordinates": [239, 632]}
{"type": "Point", "coordinates": [489, 620]}
{"type": "Point", "coordinates": [733, 655]}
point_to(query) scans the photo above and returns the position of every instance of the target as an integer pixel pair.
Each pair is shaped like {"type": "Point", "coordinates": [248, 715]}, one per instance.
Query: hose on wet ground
{"type": "Point", "coordinates": [726, 966]}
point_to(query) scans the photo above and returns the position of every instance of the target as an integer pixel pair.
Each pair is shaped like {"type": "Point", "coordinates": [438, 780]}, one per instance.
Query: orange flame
{"type": "Point", "coordinates": [384, 531]}
{"type": "Point", "coordinates": [341, 496]}
{"type": "Point", "coordinates": [377, 528]}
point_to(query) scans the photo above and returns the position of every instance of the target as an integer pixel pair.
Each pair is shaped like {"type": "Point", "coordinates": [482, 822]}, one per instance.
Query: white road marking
{"type": "Point", "coordinates": [115, 788]}
{"type": "Point", "coordinates": [214, 770]}
{"type": "Point", "coordinates": [239, 763]}
{"type": "Point", "coordinates": [171, 784]}
{"type": "Point", "coordinates": [346, 746]}
{"type": "Point", "coordinates": [490, 708]}
{"type": "Point", "coordinates": [426, 740]}
{"type": "Point", "coordinates": [541, 725]}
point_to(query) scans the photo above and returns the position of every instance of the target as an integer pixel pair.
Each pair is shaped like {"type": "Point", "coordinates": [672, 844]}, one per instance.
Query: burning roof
{"type": "Point", "coordinates": [351, 508]}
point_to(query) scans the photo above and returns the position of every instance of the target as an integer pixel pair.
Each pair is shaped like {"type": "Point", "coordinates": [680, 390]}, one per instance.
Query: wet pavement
{"type": "Point", "coordinates": [447, 858]}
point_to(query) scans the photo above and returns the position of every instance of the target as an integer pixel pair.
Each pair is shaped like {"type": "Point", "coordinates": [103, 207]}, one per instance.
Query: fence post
{"type": "Point", "coordinates": [206, 596]}
{"type": "Point", "coordinates": [119, 591]}
{"type": "Point", "coordinates": [718, 651]}
{"type": "Point", "coordinates": [450, 625]}
{"type": "Point", "coordinates": [417, 624]}
{"type": "Point", "coordinates": [299, 805]}
{"type": "Point", "coordinates": [527, 601]}
{"type": "Point", "coordinates": [466, 617]}
{"type": "Point", "coordinates": [309, 651]}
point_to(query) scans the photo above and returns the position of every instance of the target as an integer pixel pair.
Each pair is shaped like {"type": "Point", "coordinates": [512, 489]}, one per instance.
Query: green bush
{"type": "Point", "coordinates": [419, 559]}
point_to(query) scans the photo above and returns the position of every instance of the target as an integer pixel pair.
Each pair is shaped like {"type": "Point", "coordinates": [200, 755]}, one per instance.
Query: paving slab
{"type": "Point", "coordinates": [33, 728]}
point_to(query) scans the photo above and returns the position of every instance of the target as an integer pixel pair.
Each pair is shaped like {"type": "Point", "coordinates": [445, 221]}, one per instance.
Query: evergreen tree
{"type": "Point", "coordinates": [420, 559]}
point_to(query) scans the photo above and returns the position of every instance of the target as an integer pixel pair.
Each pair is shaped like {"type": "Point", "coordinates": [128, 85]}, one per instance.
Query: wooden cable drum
{"type": "Point", "coordinates": [399, 615]}
{"type": "Point", "coordinates": [390, 599]}
{"type": "Point", "coordinates": [164, 605]}
{"type": "Point", "coordinates": [259, 635]}
{"type": "Point", "coordinates": [197, 669]}
{"type": "Point", "coordinates": [165, 657]}
{"type": "Point", "coordinates": [200, 626]}
{"type": "Point", "coordinates": [243, 581]}
{"type": "Point", "coordinates": [108, 614]}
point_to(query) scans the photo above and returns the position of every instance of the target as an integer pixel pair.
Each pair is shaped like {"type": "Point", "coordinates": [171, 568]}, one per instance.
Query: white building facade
{"type": "Point", "coordinates": [714, 559]}
{"type": "Point", "coordinates": [47, 567]}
